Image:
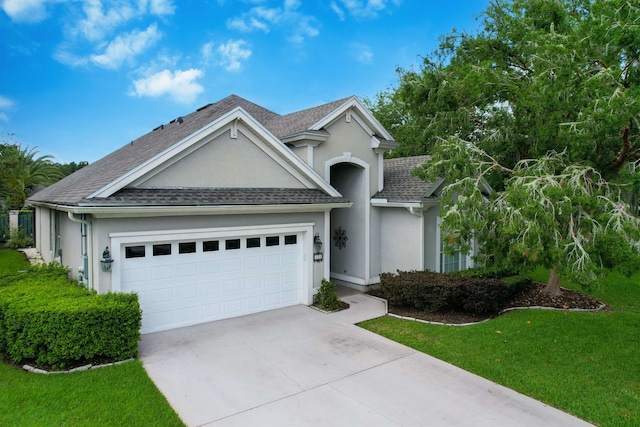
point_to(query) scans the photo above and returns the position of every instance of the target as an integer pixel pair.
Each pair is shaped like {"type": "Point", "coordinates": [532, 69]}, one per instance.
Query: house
{"type": "Point", "coordinates": [234, 209]}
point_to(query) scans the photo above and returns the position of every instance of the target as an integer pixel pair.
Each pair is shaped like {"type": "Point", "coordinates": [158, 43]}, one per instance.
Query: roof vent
{"type": "Point", "coordinates": [180, 120]}
{"type": "Point", "coordinates": [159, 127]}
{"type": "Point", "coordinates": [202, 108]}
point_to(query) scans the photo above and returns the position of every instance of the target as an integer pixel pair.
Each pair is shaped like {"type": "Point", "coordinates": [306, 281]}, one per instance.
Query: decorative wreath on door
{"type": "Point", "coordinates": [340, 238]}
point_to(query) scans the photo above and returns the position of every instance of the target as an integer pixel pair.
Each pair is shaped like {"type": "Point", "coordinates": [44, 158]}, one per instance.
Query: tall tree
{"type": "Point", "coordinates": [539, 75]}
{"type": "Point", "coordinates": [22, 171]}
{"type": "Point", "coordinates": [539, 78]}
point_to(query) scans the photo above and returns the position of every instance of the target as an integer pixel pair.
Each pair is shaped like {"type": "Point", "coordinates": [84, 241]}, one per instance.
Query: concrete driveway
{"type": "Point", "coordinates": [300, 367]}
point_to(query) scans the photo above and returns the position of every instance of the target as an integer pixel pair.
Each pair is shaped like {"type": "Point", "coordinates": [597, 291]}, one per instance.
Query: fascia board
{"type": "Point", "coordinates": [163, 211]}
{"type": "Point", "coordinates": [355, 103]}
{"type": "Point", "coordinates": [435, 187]}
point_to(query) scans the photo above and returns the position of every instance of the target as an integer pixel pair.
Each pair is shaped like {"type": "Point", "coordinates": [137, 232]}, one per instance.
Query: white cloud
{"type": "Point", "coordinates": [159, 7]}
{"type": "Point", "coordinates": [231, 53]}
{"type": "Point", "coordinates": [206, 51]}
{"type": "Point", "coordinates": [337, 10]}
{"type": "Point", "coordinates": [5, 102]}
{"type": "Point", "coordinates": [287, 17]}
{"type": "Point", "coordinates": [363, 8]}
{"type": "Point", "coordinates": [179, 85]}
{"type": "Point", "coordinates": [28, 11]}
{"type": "Point", "coordinates": [126, 46]}
{"type": "Point", "coordinates": [362, 52]}
{"type": "Point", "coordinates": [100, 22]}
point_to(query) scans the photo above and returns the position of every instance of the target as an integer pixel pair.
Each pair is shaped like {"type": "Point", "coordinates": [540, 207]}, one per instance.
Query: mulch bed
{"type": "Point", "coordinates": [534, 297]}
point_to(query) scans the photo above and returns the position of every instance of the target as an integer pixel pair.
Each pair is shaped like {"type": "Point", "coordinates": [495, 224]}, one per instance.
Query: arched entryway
{"type": "Point", "coordinates": [349, 230]}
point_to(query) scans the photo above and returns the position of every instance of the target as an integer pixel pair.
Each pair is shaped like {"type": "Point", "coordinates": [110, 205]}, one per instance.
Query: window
{"type": "Point", "coordinates": [253, 242]}
{"type": "Point", "coordinates": [450, 263]}
{"type": "Point", "coordinates": [272, 240]}
{"type": "Point", "coordinates": [232, 244]}
{"type": "Point", "coordinates": [210, 246]}
{"type": "Point", "coordinates": [163, 249]}
{"type": "Point", "coordinates": [187, 247]}
{"type": "Point", "coordinates": [134, 252]}
{"type": "Point", "coordinates": [290, 240]}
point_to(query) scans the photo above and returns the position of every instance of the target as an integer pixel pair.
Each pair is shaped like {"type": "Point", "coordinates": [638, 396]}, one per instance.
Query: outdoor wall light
{"type": "Point", "coordinates": [317, 248]}
{"type": "Point", "coordinates": [106, 261]}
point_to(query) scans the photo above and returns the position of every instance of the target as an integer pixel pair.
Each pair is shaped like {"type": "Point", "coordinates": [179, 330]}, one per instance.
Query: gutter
{"type": "Point", "coordinates": [125, 211]}
{"type": "Point", "coordinates": [87, 246]}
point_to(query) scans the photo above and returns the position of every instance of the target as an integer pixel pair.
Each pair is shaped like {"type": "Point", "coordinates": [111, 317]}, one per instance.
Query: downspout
{"type": "Point", "coordinates": [87, 247]}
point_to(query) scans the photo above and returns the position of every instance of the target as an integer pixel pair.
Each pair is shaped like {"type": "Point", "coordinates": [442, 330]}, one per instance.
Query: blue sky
{"type": "Point", "coordinates": [81, 78]}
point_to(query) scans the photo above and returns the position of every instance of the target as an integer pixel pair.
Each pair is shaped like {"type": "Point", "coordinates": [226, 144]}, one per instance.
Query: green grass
{"type": "Point", "coordinates": [587, 364]}
{"type": "Point", "coordinates": [121, 395]}
{"type": "Point", "coordinates": [11, 261]}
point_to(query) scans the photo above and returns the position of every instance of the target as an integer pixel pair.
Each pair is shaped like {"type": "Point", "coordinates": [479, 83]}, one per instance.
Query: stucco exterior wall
{"type": "Point", "coordinates": [401, 232]}
{"type": "Point", "coordinates": [44, 240]}
{"type": "Point", "coordinates": [225, 162]}
{"type": "Point", "coordinates": [349, 137]}
{"type": "Point", "coordinates": [432, 239]}
{"type": "Point", "coordinates": [71, 244]}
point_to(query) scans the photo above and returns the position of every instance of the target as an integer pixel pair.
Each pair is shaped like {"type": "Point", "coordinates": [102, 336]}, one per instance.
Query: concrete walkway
{"type": "Point", "coordinates": [300, 367]}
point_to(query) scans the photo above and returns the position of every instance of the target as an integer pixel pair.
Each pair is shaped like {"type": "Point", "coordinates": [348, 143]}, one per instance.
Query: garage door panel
{"type": "Point", "coordinates": [211, 288]}
{"type": "Point", "coordinates": [189, 269]}
{"type": "Point", "coordinates": [233, 307]}
{"type": "Point", "coordinates": [232, 286]}
{"type": "Point", "coordinates": [188, 315]}
{"type": "Point", "coordinates": [272, 260]}
{"type": "Point", "coordinates": [135, 275]}
{"type": "Point", "coordinates": [253, 263]}
{"type": "Point", "coordinates": [233, 264]}
{"type": "Point", "coordinates": [159, 272]}
{"type": "Point", "coordinates": [211, 267]}
{"type": "Point", "coordinates": [185, 292]}
{"type": "Point", "coordinates": [187, 287]}
{"type": "Point", "coordinates": [290, 296]}
{"type": "Point", "coordinates": [253, 283]}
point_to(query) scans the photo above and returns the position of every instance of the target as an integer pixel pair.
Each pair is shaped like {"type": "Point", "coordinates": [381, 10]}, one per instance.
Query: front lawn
{"type": "Point", "coordinates": [587, 364]}
{"type": "Point", "coordinates": [12, 261]}
{"type": "Point", "coordinates": [120, 395]}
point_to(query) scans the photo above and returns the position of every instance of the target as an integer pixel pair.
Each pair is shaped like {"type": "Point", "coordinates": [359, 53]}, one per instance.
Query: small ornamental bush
{"type": "Point", "coordinates": [48, 320]}
{"type": "Point", "coordinates": [327, 298]}
{"type": "Point", "coordinates": [429, 291]}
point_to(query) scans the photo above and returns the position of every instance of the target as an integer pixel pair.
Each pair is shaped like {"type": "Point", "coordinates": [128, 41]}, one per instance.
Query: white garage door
{"type": "Point", "coordinates": [191, 281]}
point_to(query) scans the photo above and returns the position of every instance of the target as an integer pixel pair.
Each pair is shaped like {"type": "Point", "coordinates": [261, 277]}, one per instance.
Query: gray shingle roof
{"type": "Point", "coordinates": [399, 184]}
{"type": "Point", "coordinates": [213, 197]}
{"type": "Point", "coordinates": [93, 177]}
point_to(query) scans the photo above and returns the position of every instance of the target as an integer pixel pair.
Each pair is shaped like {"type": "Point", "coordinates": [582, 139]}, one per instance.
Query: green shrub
{"type": "Point", "coordinates": [47, 319]}
{"type": "Point", "coordinates": [327, 298]}
{"type": "Point", "coordinates": [19, 239]}
{"type": "Point", "coordinates": [429, 291]}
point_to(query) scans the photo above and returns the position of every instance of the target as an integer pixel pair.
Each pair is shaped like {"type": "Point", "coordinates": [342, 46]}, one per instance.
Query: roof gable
{"type": "Point", "coordinates": [129, 164]}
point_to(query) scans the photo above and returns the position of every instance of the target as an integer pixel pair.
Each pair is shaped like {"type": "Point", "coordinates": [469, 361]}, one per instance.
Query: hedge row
{"type": "Point", "coordinates": [50, 321]}
{"type": "Point", "coordinates": [429, 291]}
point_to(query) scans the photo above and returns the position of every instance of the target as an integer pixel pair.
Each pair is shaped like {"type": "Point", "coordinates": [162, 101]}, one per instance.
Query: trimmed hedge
{"type": "Point", "coordinates": [48, 320]}
{"type": "Point", "coordinates": [429, 291]}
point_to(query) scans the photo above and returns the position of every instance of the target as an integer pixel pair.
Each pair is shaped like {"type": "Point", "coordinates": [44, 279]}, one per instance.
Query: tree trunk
{"type": "Point", "coordinates": [553, 285]}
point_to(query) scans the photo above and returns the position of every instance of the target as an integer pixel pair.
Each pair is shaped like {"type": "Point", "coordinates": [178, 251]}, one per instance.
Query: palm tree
{"type": "Point", "coordinates": [23, 172]}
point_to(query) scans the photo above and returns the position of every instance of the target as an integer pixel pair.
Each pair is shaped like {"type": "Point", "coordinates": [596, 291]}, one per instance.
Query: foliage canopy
{"type": "Point", "coordinates": [544, 103]}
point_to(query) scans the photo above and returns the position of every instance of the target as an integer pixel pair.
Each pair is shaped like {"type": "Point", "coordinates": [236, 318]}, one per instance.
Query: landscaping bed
{"type": "Point", "coordinates": [529, 295]}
